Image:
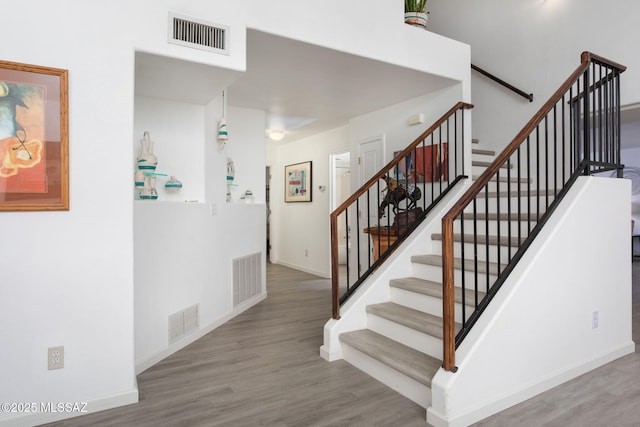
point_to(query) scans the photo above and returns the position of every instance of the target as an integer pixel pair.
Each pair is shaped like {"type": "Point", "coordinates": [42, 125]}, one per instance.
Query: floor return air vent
{"type": "Point", "coordinates": [247, 277]}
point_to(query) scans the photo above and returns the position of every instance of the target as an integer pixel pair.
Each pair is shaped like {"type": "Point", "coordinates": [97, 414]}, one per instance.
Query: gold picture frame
{"type": "Point", "coordinates": [34, 138]}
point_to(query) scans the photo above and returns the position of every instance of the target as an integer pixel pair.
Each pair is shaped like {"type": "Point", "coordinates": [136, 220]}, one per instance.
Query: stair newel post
{"type": "Point", "coordinates": [448, 309]}
{"type": "Point", "coordinates": [335, 278]}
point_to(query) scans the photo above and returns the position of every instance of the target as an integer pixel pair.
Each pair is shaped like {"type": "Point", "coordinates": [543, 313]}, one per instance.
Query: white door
{"type": "Point", "coordinates": [370, 161]}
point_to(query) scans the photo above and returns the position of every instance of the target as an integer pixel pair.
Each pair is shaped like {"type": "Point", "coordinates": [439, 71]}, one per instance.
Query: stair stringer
{"type": "Point", "coordinates": [376, 289]}
{"type": "Point", "coordinates": [537, 332]}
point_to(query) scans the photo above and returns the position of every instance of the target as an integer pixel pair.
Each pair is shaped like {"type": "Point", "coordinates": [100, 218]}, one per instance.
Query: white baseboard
{"type": "Point", "coordinates": [322, 274]}
{"type": "Point", "coordinates": [146, 363]}
{"type": "Point", "coordinates": [82, 408]}
{"type": "Point", "coordinates": [329, 356]}
{"type": "Point", "coordinates": [487, 409]}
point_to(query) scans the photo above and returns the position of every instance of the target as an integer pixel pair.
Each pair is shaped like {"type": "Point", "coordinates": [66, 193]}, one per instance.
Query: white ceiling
{"type": "Point", "coordinates": [305, 89]}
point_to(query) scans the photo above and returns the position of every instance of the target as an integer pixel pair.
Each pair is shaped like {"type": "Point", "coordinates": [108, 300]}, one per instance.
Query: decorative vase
{"type": "Point", "coordinates": [145, 177]}
{"type": "Point", "coordinates": [173, 184]}
{"type": "Point", "coordinates": [146, 159]}
{"type": "Point", "coordinates": [417, 19]}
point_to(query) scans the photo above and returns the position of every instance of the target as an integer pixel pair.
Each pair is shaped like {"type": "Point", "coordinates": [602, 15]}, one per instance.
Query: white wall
{"type": "Point", "coordinates": [392, 121]}
{"type": "Point", "coordinates": [292, 234]}
{"type": "Point", "coordinates": [176, 128]}
{"type": "Point", "coordinates": [300, 234]}
{"type": "Point", "coordinates": [69, 276]}
{"type": "Point", "coordinates": [535, 46]}
{"type": "Point", "coordinates": [500, 365]}
{"type": "Point", "coordinates": [183, 252]}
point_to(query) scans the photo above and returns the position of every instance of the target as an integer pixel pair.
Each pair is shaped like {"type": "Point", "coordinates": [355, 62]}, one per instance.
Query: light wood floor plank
{"type": "Point", "coordinates": [263, 368]}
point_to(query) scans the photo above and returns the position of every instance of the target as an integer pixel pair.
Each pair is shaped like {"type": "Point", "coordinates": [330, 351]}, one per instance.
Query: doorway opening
{"type": "Point", "coordinates": [340, 191]}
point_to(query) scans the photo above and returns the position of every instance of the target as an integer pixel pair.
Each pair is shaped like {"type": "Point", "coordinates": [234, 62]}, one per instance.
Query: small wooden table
{"type": "Point", "coordinates": [382, 238]}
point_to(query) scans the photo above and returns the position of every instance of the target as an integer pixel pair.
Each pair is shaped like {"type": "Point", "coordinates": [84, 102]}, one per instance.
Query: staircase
{"type": "Point", "coordinates": [402, 345]}
{"type": "Point", "coordinates": [492, 296]}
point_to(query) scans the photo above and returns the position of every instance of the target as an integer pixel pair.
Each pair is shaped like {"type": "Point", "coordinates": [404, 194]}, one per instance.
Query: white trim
{"type": "Point", "coordinates": [319, 273]}
{"type": "Point", "coordinates": [144, 364]}
{"type": "Point", "coordinates": [507, 400]}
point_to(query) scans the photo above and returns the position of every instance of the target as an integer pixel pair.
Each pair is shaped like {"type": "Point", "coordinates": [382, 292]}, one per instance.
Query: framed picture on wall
{"type": "Point", "coordinates": [297, 182]}
{"type": "Point", "coordinates": [34, 138]}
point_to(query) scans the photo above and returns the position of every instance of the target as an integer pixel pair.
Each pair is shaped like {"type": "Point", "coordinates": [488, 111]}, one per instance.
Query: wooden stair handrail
{"type": "Point", "coordinates": [474, 190]}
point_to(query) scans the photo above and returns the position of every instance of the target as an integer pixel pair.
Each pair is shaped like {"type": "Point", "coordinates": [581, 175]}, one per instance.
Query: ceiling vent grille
{"type": "Point", "coordinates": [198, 34]}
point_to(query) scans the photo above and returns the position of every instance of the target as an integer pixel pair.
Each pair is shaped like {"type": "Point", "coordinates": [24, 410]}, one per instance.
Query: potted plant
{"type": "Point", "coordinates": [414, 13]}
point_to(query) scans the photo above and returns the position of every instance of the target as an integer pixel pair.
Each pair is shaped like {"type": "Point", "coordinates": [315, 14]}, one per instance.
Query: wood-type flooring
{"type": "Point", "coordinates": [263, 369]}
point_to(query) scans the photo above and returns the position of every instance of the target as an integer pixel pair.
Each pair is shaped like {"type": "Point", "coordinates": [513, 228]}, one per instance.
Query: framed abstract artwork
{"type": "Point", "coordinates": [424, 164]}
{"type": "Point", "coordinates": [34, 138]}
{"type": "Point", "coordinates": [297, 181]}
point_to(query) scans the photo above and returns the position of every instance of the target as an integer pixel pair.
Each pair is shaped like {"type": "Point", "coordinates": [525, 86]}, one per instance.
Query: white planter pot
{"type": "Point", "coordinates": [417, 19]}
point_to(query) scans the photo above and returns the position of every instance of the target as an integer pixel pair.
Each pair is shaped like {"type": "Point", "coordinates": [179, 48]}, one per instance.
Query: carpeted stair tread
{"type": "Point", "coordinates": [405, 316]}
{"type": "Point", "coordinates": [505, 179]}
{"type": "Point", "coordinates": [482, 152]}
{"type": "Point", "coordinates": [492, 216]}
{"type": "Point", "coordinates": [412, 363]}
{"type": "Point", "coordinates": [482, 163]}
{"type": "Point", "coordinates": [481, 239]}
{"type": "Point", "coordinates": [436, 260]}
{"type": "Point", "coordinates": [522, 193]}
{"type": "Point", "coordinates": [434, 289]}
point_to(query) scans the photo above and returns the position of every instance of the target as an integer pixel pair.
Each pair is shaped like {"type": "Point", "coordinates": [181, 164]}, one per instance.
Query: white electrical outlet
{"type": "Point", "coordinates": [55, 357]}
{"type": "Point", "coordinates": [595, 319]}
{"type": "Point", "coordinates": [306, 252]}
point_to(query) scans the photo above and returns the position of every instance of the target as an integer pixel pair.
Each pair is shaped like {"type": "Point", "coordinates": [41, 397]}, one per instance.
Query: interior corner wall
{"type": "Point", "coordinates": [184, 251]}
{"type": "Point", "coordinates": [300, 231]}
{"type": "Point", "coordinates": [533, 46]}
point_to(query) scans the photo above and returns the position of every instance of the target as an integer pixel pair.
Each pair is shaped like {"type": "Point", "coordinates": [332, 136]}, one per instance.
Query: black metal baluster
{"type": "Point", "coordinates": [538, 173]}
{"type": "Point", "coordinates": [519, 211]}
{"type": "Point", "coordinates": [475, 252]}
{"type": "Point", "coordinates": [528, 185]}
{"type": "Point", "coordinates": [546, 163]}
{"type": "Point", "coordinates": [463, 282]}
{"type": "Point", "coordinates": [486, 231]}
{"type": "Point", "coordinates": [555, 151]}
{"type": "Point", "coordinates": [498, 245]}
{"type": "Point", "coordinates": [358, 234]}
{"type": "Point", "coordinates": [348, 238]}
{"type": "Point", "coordinates": [508, 209]}
{"type": "Point", "coordinates": [369, 228]}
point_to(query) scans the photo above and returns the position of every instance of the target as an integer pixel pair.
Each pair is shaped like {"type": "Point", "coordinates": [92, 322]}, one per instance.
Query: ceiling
{"type": "Point", "coordinates": [305, 89]}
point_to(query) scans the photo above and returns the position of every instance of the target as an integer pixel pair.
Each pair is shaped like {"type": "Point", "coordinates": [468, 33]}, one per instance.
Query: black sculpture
{"type": "Point", "coordinates": [395, 194]}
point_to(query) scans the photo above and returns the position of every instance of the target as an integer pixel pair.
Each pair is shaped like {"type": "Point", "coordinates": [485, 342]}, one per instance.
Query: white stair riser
{"type": "Point", "coordinates": [426, 303]}
{"type": "Point", "coordinates": [408, 387]}
{"type": "Point", "coordinates": [481, 249]}
{"type": "Point", "coordinates": [434, 273]}
{"type": "Point", "coordinates": [417, 340]}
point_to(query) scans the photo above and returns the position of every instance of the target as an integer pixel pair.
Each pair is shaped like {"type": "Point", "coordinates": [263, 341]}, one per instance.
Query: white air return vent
{"type": "Point", "coordinates": [198, 34]}
{"type": "Point", "coordinates": [247, 277]}
{"type": "Point", "coordinates": [183, 323]}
